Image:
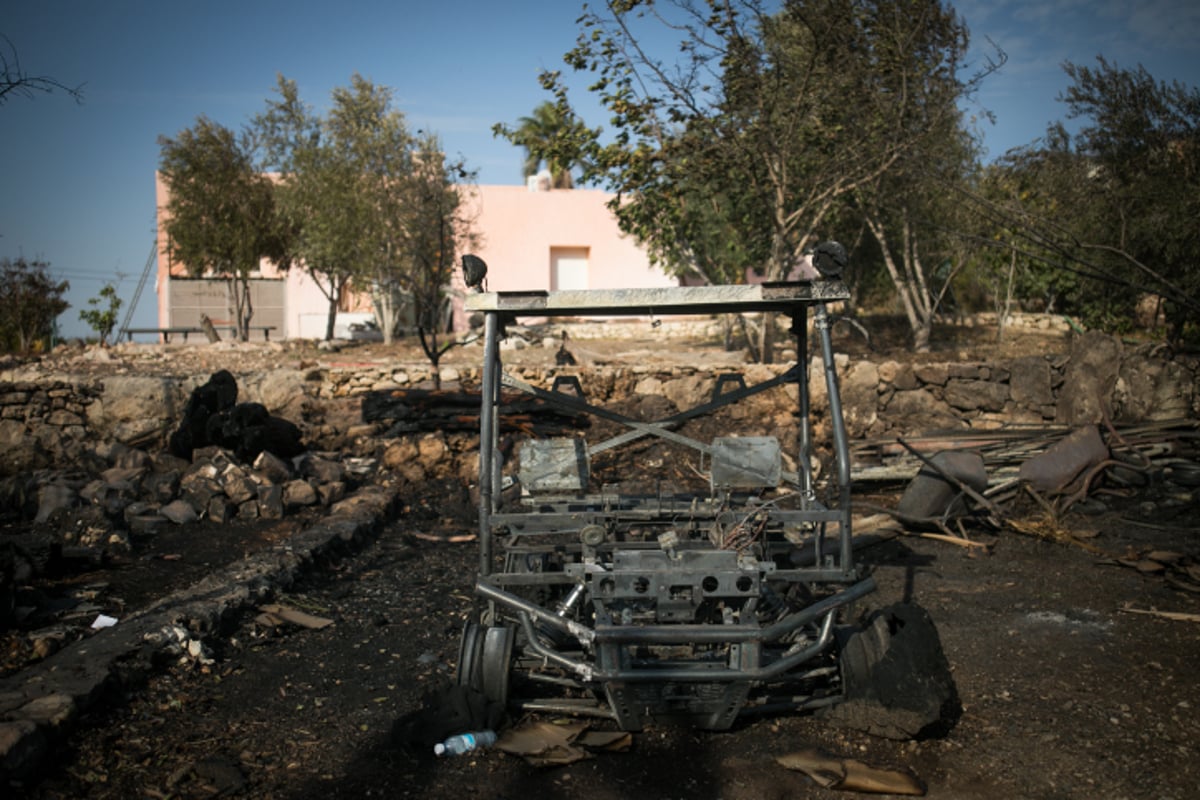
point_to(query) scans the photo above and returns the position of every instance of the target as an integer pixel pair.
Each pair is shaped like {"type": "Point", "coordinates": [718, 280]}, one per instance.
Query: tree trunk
{"type": "Point", "coordinates": [384, 301]}
{"type": "Point", "coordinates": [1008, 298]}
{"type": "Point", "coordinates": [920, 317]}
{"type": "Point", "coordinates": [766, 338]}
{"type": "Point", "coordinates": [331, 318]}
{"type": "Point", "coordinates": [922, 333]}
{"type": "Point", "coordinates": [243, 307]}
{"type": "Point", "coordinates": [429, 343]}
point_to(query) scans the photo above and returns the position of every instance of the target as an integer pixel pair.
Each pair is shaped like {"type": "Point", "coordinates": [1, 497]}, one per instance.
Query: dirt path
{"type": "Point", "coordinates": [1064, 694]}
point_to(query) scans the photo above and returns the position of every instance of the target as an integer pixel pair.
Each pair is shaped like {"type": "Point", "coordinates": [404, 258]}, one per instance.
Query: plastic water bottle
{"type": "Point", "coordinates": [465, 742]}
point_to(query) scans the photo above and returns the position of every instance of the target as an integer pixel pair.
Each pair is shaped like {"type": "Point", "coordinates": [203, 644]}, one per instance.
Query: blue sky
{"type": "Point", "coordinates": [78, 179]}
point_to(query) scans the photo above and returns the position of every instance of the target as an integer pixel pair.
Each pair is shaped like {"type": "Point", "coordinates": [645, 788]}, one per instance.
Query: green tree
{"type": "Point", "coordinates": [1141, 149]}
{"type": "Point", "coordinates": [1012, 262]}
{"type": "Point", "coordinates": [915, 53]}
{"type": "Point", "coordinates": [915, 222]}
{"type": "Point", "coordinates": [547, 135]}
{"type": "Point", "coordinates": [1108, 215]}
{"type": "Point", "coordinates": [370, 202]}
{"type": "Point", "coordinates": [31, 300]}
{"type": "Point", "coordinates": [435, 230]}
{"type": "Point", "coordinates": [100, 317]}
{"type": "Point", "coordinates": [221, 218]}
{"type": "Point", "coordinates": [783, 114]}
{"type": "Point", "coordinates": [319, 194]}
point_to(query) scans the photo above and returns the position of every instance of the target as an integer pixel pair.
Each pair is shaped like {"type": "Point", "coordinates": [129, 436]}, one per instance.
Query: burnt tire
{"type": "Point", "coordinates": [484, 660]}
{"type": "Point", "coordinates": [896, 679]}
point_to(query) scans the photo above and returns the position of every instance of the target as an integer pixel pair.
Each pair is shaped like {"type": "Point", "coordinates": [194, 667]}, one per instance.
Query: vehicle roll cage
{"type": "Point", "coordinates": [617, 593]}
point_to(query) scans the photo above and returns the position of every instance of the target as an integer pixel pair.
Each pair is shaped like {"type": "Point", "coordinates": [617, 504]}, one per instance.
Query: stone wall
{"type": "Point", "coordinates": [44, 422]}
{"type": "Point", "coordinates": [51, 420]}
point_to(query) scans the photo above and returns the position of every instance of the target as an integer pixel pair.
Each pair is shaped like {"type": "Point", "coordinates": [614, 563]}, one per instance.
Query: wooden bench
{"type": "Point", "coordinates": [186, 330]}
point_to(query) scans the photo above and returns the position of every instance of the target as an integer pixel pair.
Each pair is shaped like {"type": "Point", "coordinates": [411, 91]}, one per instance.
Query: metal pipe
{"type": "Point", "coordinates": [581, 632]}
{"type": "Point", "coordinates": [727, 399]}
{"type": "Point", "coordinates": [560, 707]}
{"type": "Point", "coordinates": [646, 428]}
{"type": "Point", "coordinates": [800, 331]}
{"type": "Point", "coordinates": [772, 670]}
{"type": "Point", "coordinates": [581, 669]}
{"type": "Point", "coordinates": [487, 439]}
{"type": "Point", "coordinates": [798, 704]}
{"type": "Point", "coordinates": [841, 446]}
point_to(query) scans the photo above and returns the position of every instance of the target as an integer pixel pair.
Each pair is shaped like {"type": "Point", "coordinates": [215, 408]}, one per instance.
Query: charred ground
{"type": "Point", "coordinates": [1065, 693]}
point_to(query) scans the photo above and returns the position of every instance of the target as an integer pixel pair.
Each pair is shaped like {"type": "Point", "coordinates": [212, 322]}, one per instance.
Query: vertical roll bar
{"type": "Point", "coordinates": [841, 445]}
{"type": "Point", "coordinates": [490, 394]}
{"type": "Point", "coordinates": [804, 459]}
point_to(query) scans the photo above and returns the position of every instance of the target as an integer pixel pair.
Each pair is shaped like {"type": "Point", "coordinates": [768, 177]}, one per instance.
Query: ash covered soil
{"type": "Point", "coordinates": [1065, 692]}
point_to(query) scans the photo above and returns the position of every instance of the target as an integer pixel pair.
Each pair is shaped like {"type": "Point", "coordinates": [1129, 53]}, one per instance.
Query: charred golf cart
{"type": "Point", "coordinates": [641, 605]}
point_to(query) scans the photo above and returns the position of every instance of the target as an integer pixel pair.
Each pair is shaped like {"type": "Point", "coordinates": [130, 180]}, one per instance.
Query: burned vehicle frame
{"type": "Point", "coordinates": [648, 605]}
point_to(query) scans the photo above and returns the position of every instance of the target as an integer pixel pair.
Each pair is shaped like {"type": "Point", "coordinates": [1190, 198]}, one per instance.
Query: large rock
{"type": "Point", "coordinates": [689, 391]}
{"type": "Point", "coordinates": [237, 485]}
{"type": "Point", "coordinates": [860, 395]}
{"type": "Point", "coordinates": [1089, 379]}
{"type": "Point", "coordinates": [648, 385]}
{"type": "Point", "coordinates": [322, 470]}
{"type": "Point", "coordinates": [131, 407]}
{"type": "Point", "coordinates": [55, 499]}
{"type": "Point", "coordinates": [180, 512]}
{"type": "Point", "coordinates": [972, 395]}
{"type": "Point", "coordinates": [919, 411]}
{"type": "Point", "coordinates": [282, 391]}
{"type": "Point", "coordinates": [19, 451]}
{"type": "Point", "coordinates": [900, 376]}
{"type": "Point", "coordinates": [432, 452]}
{"type": "Point", "coordinates": [1030, 383]}
{"type": "Point", "coordinates": [298, 493]}
{"type": "Point", "coordinates": [1149, 389]}
{"type": "Point", "coordinates": [400, 452]}
{"type": "Point", "coordinates": [272, 467]}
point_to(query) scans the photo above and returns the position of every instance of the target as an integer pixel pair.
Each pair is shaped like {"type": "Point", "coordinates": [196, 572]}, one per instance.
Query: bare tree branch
{"type": "Point", "coordinates": [15, 81]}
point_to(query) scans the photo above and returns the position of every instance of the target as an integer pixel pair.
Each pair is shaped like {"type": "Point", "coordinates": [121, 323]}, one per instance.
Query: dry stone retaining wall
{"type": "Point", "coordinates": [52, 419]}
{"type": "Point", "coordinates": [43, 421]}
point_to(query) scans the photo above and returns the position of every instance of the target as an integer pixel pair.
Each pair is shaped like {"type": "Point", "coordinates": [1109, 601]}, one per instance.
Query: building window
{"type": "Point", "coordinates": [568, 268]}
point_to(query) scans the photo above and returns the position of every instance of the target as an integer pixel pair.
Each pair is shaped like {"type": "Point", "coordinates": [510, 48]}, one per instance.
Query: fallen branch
{"type": "Point", "coordinates": [444, 538]}
{"type": "Point", "coordinates": [951, 539]}
{"type": "Point", "coordinates": [1176, 616]}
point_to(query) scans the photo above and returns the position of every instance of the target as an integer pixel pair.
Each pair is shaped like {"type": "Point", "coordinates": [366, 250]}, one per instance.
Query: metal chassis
{"type": "Point", "coordinates": [597, 655]}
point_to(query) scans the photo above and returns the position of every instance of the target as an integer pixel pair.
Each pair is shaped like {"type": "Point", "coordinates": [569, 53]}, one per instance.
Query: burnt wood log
{"type": "Point", "coordinates": [415, 410]}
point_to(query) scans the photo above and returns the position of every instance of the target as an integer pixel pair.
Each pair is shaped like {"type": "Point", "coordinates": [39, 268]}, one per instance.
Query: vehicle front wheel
{"type": "Point", "coordinates": [895, 677]}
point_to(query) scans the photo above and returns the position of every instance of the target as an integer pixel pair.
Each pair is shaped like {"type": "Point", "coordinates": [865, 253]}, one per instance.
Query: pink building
{"type": "Point", "coordinates": [530, 238]}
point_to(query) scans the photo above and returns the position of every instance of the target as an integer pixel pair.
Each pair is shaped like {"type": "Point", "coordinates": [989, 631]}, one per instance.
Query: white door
{"type": "Point", "coordinates": [568, 268]}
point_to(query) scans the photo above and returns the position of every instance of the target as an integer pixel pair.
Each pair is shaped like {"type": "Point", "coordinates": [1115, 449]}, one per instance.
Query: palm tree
{"type": "Point", "coordinates": [544, 134]}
